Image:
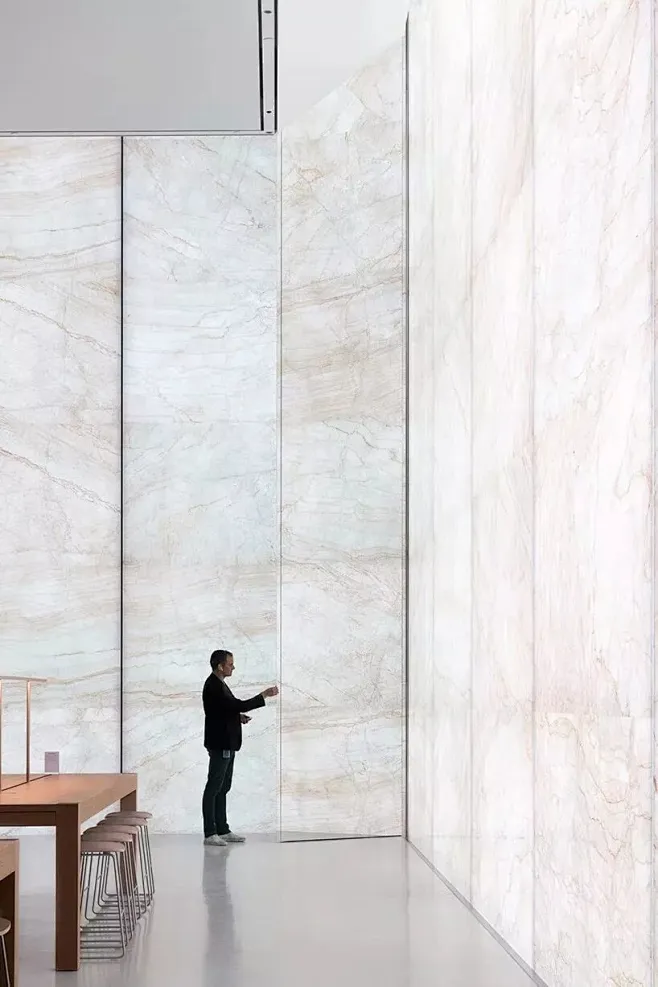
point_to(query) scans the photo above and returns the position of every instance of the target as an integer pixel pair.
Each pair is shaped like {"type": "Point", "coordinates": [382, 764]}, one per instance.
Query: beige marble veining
{"type": "Point", "coordinates": [593, 826]}
{"type": "Point", "coordinates": [342, 433]}
{"type": "Point", "coordinates": [60, 444]}
{"type": "Point", "coordinates": [200, 492]}
{"type": "Point", "coordinates": [593, 419]}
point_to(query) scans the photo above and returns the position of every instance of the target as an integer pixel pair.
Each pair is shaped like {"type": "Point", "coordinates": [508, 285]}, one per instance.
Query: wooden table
{"type": "Point", "coordinates": [9, 900]}
{"type": "Point", "coordinates": [65, 802]}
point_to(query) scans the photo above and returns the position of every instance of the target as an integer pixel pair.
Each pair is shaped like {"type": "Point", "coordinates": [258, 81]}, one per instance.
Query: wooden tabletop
{"type": "Point", "coordinates": [91, 793]}
{"type": "Point", "coordinates": [8, 858]}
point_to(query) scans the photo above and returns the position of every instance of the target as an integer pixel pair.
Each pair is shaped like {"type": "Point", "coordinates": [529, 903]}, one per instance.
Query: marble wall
{"type": "Point", "coordinates": [200, 460]}
{"type": "Point", "coordinates": [531, 464]}
{"type": "Point", "coordinates": [204, 378]}
{"type": "Point", "coordinates": [60, 445]}
{"type": "Point", "coordinates": [342, 460]}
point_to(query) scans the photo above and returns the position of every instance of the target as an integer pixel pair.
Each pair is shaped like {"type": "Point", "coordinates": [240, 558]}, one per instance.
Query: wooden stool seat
{"type": "Point", "coordinates": [136, 815]}
{"type": "Point", "coordinates": [105, 835]}
{"type": "Point", "coordinates": [102, 846]}
{"type": "Point", "coordinates": [114, 827]}
{"type": "Point", "coordinates": [132, 817]}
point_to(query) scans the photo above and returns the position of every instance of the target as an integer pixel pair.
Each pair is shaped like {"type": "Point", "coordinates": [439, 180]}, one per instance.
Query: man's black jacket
{"type": "Point", "coordinates": [223, 727]}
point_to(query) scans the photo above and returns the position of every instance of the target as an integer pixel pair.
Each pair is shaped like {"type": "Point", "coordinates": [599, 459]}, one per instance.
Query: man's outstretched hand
{"type": "Point", "coordinates": [270, 692]}
{"type": "Point", "coordinates": [244, 718]}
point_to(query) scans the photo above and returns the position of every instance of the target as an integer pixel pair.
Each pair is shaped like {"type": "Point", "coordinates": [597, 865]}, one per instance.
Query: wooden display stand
{"type": "Point", "coordinates": [12, 780]}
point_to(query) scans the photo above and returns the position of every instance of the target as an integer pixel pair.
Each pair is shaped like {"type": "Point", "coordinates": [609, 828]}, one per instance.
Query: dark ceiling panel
{"type": "Point", "coordinates": [135, 66]}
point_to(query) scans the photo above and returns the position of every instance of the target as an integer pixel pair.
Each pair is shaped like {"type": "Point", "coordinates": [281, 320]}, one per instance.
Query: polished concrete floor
{"type": "Point", "coordinates": [363, 912]}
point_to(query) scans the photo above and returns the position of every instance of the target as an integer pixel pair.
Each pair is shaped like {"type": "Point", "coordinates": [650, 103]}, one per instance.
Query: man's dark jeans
{"type": "Point", "coordinates": [220, 776]}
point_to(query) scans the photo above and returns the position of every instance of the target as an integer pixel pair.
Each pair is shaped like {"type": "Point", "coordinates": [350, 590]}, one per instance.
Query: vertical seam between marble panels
{"type": "Point", "coordinates": [652, 323]}
{"type": "Point", "coordinates": [470, 282]}
{"type": "Point", "coordinates": [279, 485]}
{"type": "Point", "coordinates": [121, 457]}
{"type": "Point", "coordinates": [405, 431]}
{"type": "Point", "coordinates": [533, 478]}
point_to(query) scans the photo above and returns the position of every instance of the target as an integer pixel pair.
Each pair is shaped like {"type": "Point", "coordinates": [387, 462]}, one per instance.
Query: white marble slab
{"type": "Point", "coordinates": [342, 435]}
{"type": "Point", "coordinates": [593, 417]}
{"type": "Point", "coordinates": [503, 354]}
{"type": "Point", "coordinates": [60, 442]}
{"type": "Point", "coordinates": [440, 428]}
{"type": "Point", "coordinates": [200, 492]}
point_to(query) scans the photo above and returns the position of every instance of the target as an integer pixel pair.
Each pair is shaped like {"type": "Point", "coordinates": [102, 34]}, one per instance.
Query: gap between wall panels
{"type": "Point", "coordinates": [405, 384]}
{"type": "Point", "coordinates": [121, 471]}
{"type": "Point", "coordinates": [653, 931]}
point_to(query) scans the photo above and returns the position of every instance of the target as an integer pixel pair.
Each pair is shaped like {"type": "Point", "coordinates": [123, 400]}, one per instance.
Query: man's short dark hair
{"type": "Point", "coordinates": [218, 658]}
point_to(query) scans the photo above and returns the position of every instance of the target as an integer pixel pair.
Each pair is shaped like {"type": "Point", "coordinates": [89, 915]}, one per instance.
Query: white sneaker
{"type": "Point", "coordinates": [233, 838]}
{"type": "Point", "coordinates": [214, 841]}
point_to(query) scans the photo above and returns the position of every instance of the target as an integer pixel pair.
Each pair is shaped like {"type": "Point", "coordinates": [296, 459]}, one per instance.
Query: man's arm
{"type": "Point", "coordinates": [217, 701]}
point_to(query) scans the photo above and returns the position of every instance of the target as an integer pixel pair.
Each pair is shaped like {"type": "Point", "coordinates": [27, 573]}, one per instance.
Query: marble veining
{"type": "Point", "coordinates": [593, 554]}
{"type": "Point", "coordinates": [342, 435]}
{"type": "Point", "coordinates": [200, 489]}
{"type": "Point", "coordinates": [60, 444]}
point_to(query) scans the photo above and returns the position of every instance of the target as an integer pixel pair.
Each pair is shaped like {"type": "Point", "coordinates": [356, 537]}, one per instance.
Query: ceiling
{"type": "Point", "coordinates": [137, 66]}
{"type": "Point", "coordinates": [181, 66]}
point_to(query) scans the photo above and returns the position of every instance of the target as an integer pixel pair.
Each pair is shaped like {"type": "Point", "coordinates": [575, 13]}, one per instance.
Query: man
{"type": "Point", "coordinates": [223, 739]}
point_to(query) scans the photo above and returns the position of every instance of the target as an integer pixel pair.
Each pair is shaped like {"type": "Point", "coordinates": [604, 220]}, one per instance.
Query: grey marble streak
{"type": "Point", "coordinates": [201, 530]}
{"type": "Point", "coordinates": [342, 453]}
{"type": "Point", "coordinates": [60, 442]}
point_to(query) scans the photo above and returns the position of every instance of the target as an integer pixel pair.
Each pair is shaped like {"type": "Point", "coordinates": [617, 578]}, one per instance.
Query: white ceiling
{"type": "Point", "coordinates": [322, 43]}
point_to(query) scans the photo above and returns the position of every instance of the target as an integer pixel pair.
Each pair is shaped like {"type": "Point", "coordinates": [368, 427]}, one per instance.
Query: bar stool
{"type": "Point", "coordinates": [127, 835]}
{"type": "Point", "coordinates": [132, 828]}
{"type": "Point", "coordinates": [93, 898]}
{"type": "Point", "coordinates": [140, 819]}
{"type": "Point", "coordinates": [5, 929]}
{"type": "Point", "coordinates": [103, 934]}
{"type": "Point", "coordinates": [103, 897]}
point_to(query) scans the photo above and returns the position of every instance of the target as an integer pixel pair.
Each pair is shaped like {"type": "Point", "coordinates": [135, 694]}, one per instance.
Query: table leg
{"type": "Point", "coordinates": [67, 887]}
{"type": "Point", "coordinates": [129, 802]}
{"type": "Point", "coordinates": [9, 909]}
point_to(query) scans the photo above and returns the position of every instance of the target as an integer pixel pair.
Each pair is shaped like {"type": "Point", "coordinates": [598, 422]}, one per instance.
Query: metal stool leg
{"type": "Point", "coordinates": [128, 836]}
{"type": "Point", "coordinates": [140, 819]}
{"type": "Point", "coordinates": [104, 929]}
{"type": "Point", "coordinates": [5, 962]}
